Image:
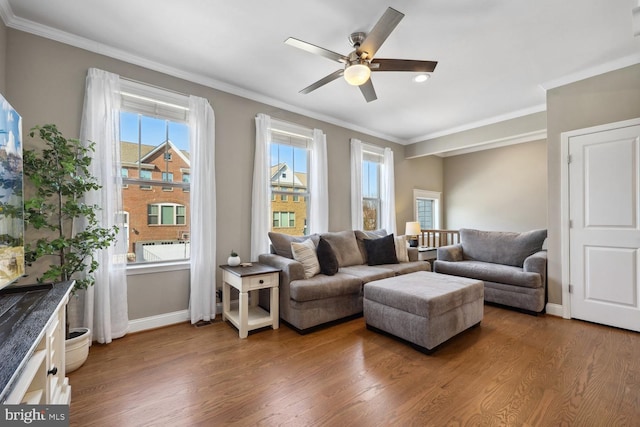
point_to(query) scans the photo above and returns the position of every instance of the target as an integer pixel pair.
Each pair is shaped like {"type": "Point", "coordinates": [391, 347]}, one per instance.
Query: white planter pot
{"type": "Point", "coordinates": [77, 349]}
{"type": "Point", "coordinates": [233, 261]}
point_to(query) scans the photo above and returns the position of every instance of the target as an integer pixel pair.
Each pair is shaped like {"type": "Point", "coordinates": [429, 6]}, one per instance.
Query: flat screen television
{"type": "Point", "coordinates": [11, 197]}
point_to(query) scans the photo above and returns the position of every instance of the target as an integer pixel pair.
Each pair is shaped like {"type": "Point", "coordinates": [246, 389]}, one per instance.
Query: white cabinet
{"type": "Point", "coordinates": [40, 377]}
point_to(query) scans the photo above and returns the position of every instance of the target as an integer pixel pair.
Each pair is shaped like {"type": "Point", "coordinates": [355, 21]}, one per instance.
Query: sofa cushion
{"type": "Point", "coordinates": [281, 243]}
{"type": "Point", "coordinates": [321, 286]}
{"type": "Point", "coordinates": [501, 247]}
{"type": "Point", "coordinates": [345, 247]}
{"type": "Point", "coordinates": [305, 253]}
{"type": "Point", "coordinates": [381, 250]}
{"type": "Point", "coordinates": [362, 235]}
{"type": "Point", "coordinates": [326, 258]}
{"type": "Point", "coordinates": [490, 272]}
{"type": "Point", "coordinates": [366, 273]}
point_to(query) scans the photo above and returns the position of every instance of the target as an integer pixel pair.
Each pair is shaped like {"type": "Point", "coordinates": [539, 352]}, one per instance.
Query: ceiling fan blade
{"type": "Point", "coordinates": [379, 33]}
{"type": "Point", "coordinates": [368, 91]}
{"type": "Point", "coordinates": [403, 65]}
{"type": "Point", "coordinates": [328, 79]}
{"type": "Point", "coordinates": [317, 50]}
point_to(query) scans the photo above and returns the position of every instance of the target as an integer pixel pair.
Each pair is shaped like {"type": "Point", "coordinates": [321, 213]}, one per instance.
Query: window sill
{"type": "Point", "coordinates": [135, 269]}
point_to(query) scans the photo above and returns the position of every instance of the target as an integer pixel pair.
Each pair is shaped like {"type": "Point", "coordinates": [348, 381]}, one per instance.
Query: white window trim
{"type": "Point", "coordinates": [436, 196]}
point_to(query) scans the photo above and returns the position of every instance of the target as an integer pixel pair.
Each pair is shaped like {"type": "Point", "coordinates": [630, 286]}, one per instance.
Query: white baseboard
{"type": "Point", "coordinates": [158, 321]}
{"type": "Point", "coordinates": [555, 309]}
{"type": "Point", "coordinates": [165, 319]}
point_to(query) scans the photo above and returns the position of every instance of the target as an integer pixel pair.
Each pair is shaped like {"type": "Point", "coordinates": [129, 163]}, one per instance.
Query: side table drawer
{"type": "Point", "coordinates": [263, 281]}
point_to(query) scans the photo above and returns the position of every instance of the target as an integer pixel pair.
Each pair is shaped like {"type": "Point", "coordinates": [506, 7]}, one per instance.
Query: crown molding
{"type": "Point", "coordinates": [21, 24]}
{"type": "Point", "coordinates": [607, 67]}
{"type": "Point", "coordinates": [497, 143]}
{"type": "Point", "coordinates": [12, 21]}
{"type": "Point", "coordinates": [490, 121]}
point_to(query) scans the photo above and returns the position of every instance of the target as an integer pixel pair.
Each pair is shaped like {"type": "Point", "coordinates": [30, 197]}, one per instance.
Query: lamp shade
{"type": "Point", "coordinates": [412, 228]}
{"type": "Point", "coordinates": [357, 74]}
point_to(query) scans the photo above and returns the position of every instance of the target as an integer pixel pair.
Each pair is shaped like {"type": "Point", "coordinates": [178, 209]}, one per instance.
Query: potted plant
{"type": "Point", "coordinates": [60, 177]}
{"type": "Point", "coordinates": [234, 259]}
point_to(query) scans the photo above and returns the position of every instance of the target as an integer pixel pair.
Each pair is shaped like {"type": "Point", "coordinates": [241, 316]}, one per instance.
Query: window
{"type": "Point", "coordinates": [284, 220]}
{"type": "Point", "coordinates": [166, 214]}
{"type": "Point", "coordinates": [371, 203]}
{"type": "Point", "coordinates": [426, 206]}
{"type": "Point", "coordinates": [167, 177]}
{"type": "Point", "coordinates": [154, 146]}
{"type": "Point", "coordinates": [289, 151]}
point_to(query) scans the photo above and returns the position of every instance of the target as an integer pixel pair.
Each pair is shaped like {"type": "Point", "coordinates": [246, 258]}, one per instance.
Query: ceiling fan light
{"type": "Point", "coordinates": [357, 74]}
{"type": "Point", "coordinates": [421, 78]}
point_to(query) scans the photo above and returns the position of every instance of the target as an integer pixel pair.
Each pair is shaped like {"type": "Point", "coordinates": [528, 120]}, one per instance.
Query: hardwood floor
{"type": "Point", "coordinates": [515, 370]}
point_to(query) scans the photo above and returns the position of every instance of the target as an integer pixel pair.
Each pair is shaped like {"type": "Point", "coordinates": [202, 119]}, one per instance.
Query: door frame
{"type": "Point", "coordinates": [565, 256]}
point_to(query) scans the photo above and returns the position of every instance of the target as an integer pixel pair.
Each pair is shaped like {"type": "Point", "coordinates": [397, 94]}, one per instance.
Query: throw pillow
{"type": "Point", "coordinates": [361, 235]}
{"type": "Point", "coordinates": [305, 254]}
{"type": "Point", "coordinates": [281, 243]}
{"type": "Point", "coordinates": [401, 249]}
{"type": "Point", "coordinates": [381, 251]}
{"type": "Point", "coordinates": [345, 247]}
{"type": "Point", "coordinates": [327, 258]}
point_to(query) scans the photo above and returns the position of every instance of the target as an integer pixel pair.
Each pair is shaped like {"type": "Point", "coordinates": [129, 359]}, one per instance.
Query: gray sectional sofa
{"type": "Point", "coordinates": [513, 266]}
{"type": "Point", "coordinates": [346, 258]}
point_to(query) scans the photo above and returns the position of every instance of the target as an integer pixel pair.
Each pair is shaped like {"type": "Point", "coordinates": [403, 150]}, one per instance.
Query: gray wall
{"type": "Point", "coordinates": [502, 189]}
{"type": "Point", "coordinates": [423, 173]}
{"type": "Point", "coordinates": [607, 98]}
{"type": "Point", "coordinates": [45, 81]}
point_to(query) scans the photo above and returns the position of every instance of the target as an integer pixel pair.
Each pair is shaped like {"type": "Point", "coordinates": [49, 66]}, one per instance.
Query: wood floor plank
{"type": "Point", "coordinates": [514, 369]}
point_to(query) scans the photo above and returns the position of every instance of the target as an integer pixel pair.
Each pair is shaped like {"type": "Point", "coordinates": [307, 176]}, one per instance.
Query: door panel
{"type": "Point", "coordinates": [604, 179]}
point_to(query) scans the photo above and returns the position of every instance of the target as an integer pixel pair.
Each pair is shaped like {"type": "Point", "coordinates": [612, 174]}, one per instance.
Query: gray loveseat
{"type": "Point", "coordinates": [306, 303]}
{"type": "Point", "coordinates": [513, 266]}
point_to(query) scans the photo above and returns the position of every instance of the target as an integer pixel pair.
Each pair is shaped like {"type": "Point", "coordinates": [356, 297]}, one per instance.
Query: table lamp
{"type": "Point", "coordinates": [412, 231]}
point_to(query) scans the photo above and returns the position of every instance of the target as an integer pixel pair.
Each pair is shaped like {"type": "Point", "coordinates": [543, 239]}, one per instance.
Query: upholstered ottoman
{"type": "Point", "coordinates": [423, 308]}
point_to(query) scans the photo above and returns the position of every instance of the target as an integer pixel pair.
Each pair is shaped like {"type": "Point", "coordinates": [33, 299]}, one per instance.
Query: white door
{"type": "Point", "coordinates": [604, 212]}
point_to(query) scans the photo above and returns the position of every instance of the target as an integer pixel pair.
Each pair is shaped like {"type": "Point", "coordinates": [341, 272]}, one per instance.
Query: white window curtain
{"type": "Point", "coordinates": [202, 304]}
{"type": "Point", "coordinates": [261, 201]}
{"type": "Point", "coordinates": [357, 219]}
{"type": "Point", "coordinates": [388, 193]}
{"type": "Point", "coordinates": [105, 304]}
{"type": "Point", "coordinates": [318, 184]}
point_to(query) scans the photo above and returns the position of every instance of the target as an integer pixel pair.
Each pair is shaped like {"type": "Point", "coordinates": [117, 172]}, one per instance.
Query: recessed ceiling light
{"type": "Point", "coordinates": [420, 78]}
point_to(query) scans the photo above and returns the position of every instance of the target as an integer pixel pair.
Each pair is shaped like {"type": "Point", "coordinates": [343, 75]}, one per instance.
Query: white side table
{"type": "Point", "coordinates": [243, 316]}
{"type": "Point", "coordinates": [427, 253]}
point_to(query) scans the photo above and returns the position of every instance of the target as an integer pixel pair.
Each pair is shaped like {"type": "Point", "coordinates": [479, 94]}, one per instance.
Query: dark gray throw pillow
{"type": "Point", "coordinates": [381, 251]}
{"type": "Point", "coordinates": [326, 258]}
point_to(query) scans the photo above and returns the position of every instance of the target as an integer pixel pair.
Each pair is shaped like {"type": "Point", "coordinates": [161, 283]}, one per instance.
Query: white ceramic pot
{"type": "Point", "coordinates": [77, 349]}
{"type": "Point", "coordinates": [233, 261]}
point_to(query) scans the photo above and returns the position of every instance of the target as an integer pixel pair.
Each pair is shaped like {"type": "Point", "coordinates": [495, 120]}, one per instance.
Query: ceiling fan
{"type": "Point", "coordinates": [359, 64]}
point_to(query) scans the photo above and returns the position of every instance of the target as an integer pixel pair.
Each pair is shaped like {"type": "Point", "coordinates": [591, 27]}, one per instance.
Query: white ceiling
{"type": "Point", "coordinates": [495, 58]}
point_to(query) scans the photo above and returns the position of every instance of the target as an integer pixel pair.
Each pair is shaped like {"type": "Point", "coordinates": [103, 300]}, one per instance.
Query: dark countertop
{"type": "Point", "coordinates": [23, 317]}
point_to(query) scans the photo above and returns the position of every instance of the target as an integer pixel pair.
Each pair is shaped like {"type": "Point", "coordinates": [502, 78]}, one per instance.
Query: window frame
{"type": "Point", "coordinates": [373, 155]}
{"type": "Point", "coordinates": [436, 197]}
{"type": "Point", "coordinates": [296, 136]}
{"type": "Point", "coordinates": [152, 101]}
{"type": "Point", "coordinates": [160, 215]}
